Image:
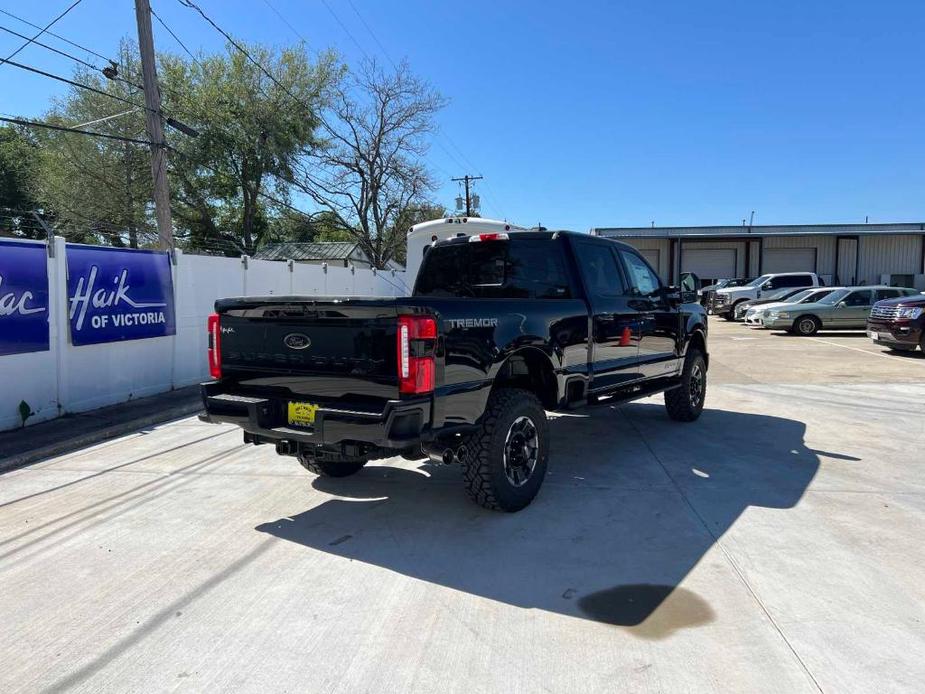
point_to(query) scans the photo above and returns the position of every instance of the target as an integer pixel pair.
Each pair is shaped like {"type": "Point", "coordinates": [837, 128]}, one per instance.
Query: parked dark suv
{"type": "Point", "coordinates": [898, 323]}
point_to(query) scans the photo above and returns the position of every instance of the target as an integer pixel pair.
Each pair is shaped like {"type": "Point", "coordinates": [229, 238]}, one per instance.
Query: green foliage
{"type": "Point", "coordinates": [18, 160]}
{"type": "Point", "coordinates": [349, 146]}
{"type": "Point", "coordinates": [99, 190]}
{"type": "Point", "coordinates": [293, 226]}
{"type": "Point", "coordinates": [252, 132]}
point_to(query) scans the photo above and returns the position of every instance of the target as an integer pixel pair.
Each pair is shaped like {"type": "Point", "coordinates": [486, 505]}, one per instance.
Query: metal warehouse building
{"type": "Point", "coordinates": [842, 254]}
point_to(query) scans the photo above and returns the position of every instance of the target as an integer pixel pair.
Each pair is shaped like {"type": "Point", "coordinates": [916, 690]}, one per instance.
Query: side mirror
{"type": "Point", "coordinates": [679, 295]}
{"type": "Point", "coordinates": [842, 304]}
{"type": "Point", "coordinates": [689, 282]}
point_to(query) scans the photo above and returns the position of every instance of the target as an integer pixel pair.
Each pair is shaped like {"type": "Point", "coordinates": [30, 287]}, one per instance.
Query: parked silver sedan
{"type": "Point", "coordinates": [754, 316]}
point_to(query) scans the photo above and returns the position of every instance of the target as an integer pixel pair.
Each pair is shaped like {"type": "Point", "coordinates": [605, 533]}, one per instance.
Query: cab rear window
{"type": "Point", "coordinates": [516, 269]}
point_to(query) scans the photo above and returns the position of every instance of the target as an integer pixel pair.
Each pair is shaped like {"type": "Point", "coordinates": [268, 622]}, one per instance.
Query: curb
{"type": "Point", "coordinates": [93, 437]}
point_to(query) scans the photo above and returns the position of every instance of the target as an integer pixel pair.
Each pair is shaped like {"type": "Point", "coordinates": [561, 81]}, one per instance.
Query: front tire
{"type": "Point", "coordinates": [504, 461]}
{"type": "Point", "coordinates": [806, 326]}
{"type": "Point", "coordinates": [331, 468]}
{"type": "Point", "coordinates": [731, 316]}
{"type": "Point", "coordinates": [685, 403]}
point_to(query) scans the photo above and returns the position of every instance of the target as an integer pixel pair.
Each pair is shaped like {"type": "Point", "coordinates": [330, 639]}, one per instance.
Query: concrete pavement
{"type": "Point", "coordinates": [773, 546]}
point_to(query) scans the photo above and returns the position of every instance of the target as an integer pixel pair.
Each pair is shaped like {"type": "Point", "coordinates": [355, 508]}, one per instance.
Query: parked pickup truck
{"type": "Point", "coordinates": [499, 329]}
{"type": "Point", "coordinates": [725, 301]}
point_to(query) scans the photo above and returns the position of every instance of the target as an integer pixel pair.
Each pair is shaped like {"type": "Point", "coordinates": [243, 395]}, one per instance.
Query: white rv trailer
{"type": "Point", "coordinates": [421, 236]}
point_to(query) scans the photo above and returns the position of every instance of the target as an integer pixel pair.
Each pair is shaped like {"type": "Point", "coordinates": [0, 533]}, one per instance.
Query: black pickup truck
{"type": "Point", "coordinates": [499, 329]}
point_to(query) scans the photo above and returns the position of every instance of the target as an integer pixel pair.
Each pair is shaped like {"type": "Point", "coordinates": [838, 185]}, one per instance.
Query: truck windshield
{"type": "Point", "coordinates": [758, 281]}
{"type": "Point", "coordinates": [516, 269]}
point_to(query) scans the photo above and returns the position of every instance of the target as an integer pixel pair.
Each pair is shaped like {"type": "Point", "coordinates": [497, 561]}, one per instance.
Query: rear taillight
{"type": "Point", "coordinates": [488, 237]}
{"type": "Point", "coordinates": [415, 342]}
{"type": "Point", "coordinates": [215, 346]}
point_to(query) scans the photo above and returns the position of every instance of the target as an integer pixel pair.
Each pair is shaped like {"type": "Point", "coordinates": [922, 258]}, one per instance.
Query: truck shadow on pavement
{"type": "Point", "coordinates": [631, 504]}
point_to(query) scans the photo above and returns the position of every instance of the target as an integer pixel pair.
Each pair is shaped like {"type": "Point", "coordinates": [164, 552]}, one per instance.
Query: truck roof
{"type": "Point", "coordinates": [545, 234]}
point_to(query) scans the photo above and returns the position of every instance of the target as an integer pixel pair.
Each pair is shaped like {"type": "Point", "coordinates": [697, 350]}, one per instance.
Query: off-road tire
{"type": "Point", "coordinates": [329, 468]}
{"type": "Point", "coordinates": [483, 458]}
{"type": "Point", "coordinates": [685, 403]}
{"type": "Point", "coordinates": [806, 326]}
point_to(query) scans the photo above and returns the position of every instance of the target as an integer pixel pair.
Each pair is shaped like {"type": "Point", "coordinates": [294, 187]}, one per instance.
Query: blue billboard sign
{"type": "Point", "coordinates": [115, 294]}
{"type": "Point", "coordinates": [23, 297]}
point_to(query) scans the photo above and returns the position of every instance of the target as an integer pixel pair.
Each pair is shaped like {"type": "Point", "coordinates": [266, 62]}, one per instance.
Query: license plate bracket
{"type": "Point", "coordinates": [301, 414]}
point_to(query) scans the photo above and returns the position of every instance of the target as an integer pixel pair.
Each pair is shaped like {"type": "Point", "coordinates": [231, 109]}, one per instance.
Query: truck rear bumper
{"type": "Point", "coordinates": [398, 425]}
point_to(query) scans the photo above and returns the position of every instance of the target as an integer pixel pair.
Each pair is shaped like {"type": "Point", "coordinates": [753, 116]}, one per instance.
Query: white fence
{"type": "Point", "coordinates": [76, 379]}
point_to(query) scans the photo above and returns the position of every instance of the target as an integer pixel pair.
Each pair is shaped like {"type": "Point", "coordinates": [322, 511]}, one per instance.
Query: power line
{"type": "Point", "coordinates": [51, 48]}
{"type": "Point", "coordinates": [175, 37]}
{"type": "Point", "coordinates": [344, 27]}
{"type": "Point", "coordinates": [87, 87]}
{"type": "Point", "coordinates": [285, 21]}
{"type": "Point", "coordinates": [468, 162]}
{"type": "Point", "coordinates": [109, 72]}
{"type": "Point", "coordinates": [62, 128]}
{"type": "Point", "coordinates": [450, 155]}
{"type": "Point", "coordinates": [371, 33]}
{"type": "Point", "coordinates": [58, 36]}
{"type": "Point", "coordinates": [42, 31]}
{"type": "Point", "coordinates": [262, 194]}
{"type": "Point", "coordinates": [234, 43]}
{"type": "Point", "coordinates": [244, 51]}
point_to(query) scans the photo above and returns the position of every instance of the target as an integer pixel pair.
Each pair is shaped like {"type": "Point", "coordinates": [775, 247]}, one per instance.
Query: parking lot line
{"type": "Point", "coordinates": [856, 349]}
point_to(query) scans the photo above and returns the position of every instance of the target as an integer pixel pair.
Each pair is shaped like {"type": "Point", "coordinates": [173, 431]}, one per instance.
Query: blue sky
{"type": "Point", "coordinates": [609, 113]}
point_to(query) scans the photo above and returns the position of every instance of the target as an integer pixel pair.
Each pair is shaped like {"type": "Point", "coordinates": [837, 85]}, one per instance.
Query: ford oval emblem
{"type": "Point", "coordinates": [297, 341]}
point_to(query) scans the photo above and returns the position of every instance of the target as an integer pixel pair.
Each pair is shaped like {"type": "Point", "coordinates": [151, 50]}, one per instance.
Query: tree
{"type": "Point", "coordinates": [251, 129]}
{"type": "Point", "coordinates": [18, 158]}
{"type": "Point", "coordinates": [98, 187]}
{"type": "Point", "coordinates": [371, 171]}
{"type": "Point", "coordinates": [299, 227]}
{"type": "Point", "coordinates": [411, 215]}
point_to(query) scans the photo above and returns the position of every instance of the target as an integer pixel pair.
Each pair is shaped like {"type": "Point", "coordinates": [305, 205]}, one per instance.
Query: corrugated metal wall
{"type": "Point", "coordinates": [847, 262]}
{"type": "Point", "coordinates": [824, 245]}
{"type": "Point", "coordinates": [888, 254]}
{"type": "Point", "coordinates": [881, 254]}
{"type": "Point", "coordinates": [754, 250]}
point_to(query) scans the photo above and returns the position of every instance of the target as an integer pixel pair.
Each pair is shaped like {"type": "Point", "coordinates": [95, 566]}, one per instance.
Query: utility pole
{"type": "Point", "coordinates": [466, 179]}
{"type": "Point", "coordinates": [154, 127]}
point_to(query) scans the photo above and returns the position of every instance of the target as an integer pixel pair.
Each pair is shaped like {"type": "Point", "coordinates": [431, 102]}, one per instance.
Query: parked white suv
{"type": "Point", "coordinates": [725, 300]}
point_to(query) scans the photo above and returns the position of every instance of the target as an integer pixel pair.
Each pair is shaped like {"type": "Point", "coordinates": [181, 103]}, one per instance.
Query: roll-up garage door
{"type": "Point", "coordinates": [709, 263]}
{"type": "Point", "coordinates": [789, 260]}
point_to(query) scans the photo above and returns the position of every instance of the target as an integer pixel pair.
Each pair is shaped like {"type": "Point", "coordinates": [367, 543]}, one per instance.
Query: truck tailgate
{"type": "Point", "coordinates": [337, 350]}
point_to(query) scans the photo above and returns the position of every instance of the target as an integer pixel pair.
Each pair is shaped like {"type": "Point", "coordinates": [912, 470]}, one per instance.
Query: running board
{"type": "Point", "coordinates": [634, 392]}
